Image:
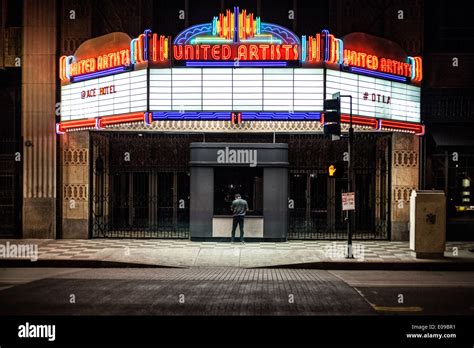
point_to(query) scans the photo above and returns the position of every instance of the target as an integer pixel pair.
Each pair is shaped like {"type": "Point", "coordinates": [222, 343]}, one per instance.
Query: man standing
{"type": "Point", "coordinates": [239, 207]}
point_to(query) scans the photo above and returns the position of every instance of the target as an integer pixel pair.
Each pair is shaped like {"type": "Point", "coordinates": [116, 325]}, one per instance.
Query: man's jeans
{"type": "Point", "coordinates": [239, 219]}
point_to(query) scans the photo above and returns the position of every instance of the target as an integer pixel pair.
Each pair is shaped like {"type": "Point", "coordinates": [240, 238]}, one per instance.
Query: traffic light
{"type": "Point", "coordinates": [332, 116]}
{"type": "Point", "coordinates": [336, 170]}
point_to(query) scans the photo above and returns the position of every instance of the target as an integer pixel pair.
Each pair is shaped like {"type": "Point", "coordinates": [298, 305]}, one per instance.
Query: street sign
{"type": "Point", "coordinates": [348, 201]}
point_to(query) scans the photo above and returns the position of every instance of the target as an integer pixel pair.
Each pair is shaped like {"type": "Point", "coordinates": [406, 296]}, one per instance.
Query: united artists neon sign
{"type": "Point", "coordinates": [373, 62]}
{"type": "Point", "coordinates": [241, 52]}
{"type": "Point", "coordinates": [237, 36]}
{"type": "Point", "coordinates": [93, 64]}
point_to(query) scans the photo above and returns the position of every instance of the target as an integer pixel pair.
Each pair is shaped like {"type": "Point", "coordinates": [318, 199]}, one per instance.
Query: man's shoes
{"type": "Point", "coordinates": [242, 241]}
{"type": "Point", "coordinates": [232, 240]}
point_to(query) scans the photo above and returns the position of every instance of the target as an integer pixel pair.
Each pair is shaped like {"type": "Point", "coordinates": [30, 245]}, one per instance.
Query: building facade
{"type": "Point", "coordinates": [88, 187]}
{"type": "Point", "coordinates": [134, 111]}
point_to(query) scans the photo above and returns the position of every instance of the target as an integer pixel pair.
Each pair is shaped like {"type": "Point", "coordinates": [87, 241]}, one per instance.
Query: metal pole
{"type": "Point", "coordinates": [350, 170]}
{"type": "Point", "coordinates": [350, 175]}
{"type": "Point", "coordinates": [349, 183]}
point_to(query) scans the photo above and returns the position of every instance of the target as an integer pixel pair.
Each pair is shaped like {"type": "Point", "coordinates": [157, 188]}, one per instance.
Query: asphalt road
{"type": "Point", "coordinates": [233, 291]}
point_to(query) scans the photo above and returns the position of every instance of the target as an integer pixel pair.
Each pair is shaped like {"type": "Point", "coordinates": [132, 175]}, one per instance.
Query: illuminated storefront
{"type": "Point", "coordinates": [135, 109]}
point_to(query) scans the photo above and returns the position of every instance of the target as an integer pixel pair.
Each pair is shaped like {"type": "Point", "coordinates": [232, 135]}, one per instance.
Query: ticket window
{"type": "Point", "coordinates": [248, 182]}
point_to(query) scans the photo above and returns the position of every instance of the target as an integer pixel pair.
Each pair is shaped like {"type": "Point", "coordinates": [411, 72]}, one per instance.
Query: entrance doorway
{"type": "Point", "coordinates": [142, 195]}
{"type": "Point", "coordinates": [308, 204]}
{"type": "Point", "coordinates": [149, 201]}
{"type": "Point", "coordinates": [315, 200]}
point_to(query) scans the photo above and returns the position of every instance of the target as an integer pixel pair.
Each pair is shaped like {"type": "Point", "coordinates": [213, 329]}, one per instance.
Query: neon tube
{"type": "Point", "coordinates": [101, 73]}
{"type": "Point", "coordinates": [326, 44]}
{"type": "Point", "coordinates": [190, 115]}
{"type": "Point", "coordinates": [378, 74]}
{"type": "Point", "coordinates": [232, 64]}
{"type": "Point", "coordinates": [245, 116]}
{"type": "Point", "coordinates": [69, 60]}
{"type": "Point", "coordinates": [86, 123]}
{"type": "Point", "coordinates": [145, 43]}
{"type": "Point", "coordinates": [139, 47]}
{"type": "Point", "coordinates": [62, 68]}
{"type": "Point", "coordinates": [412, 63]}
{"type": "Point", "coordinates": [303, 48]}
{"type": "Point", "coordinates": [148, 118]}
{"type": "Point", "coordinates": [132, 51]}
{"type": "Point", "coordinates": [59, 129]}
{"type": "Point", "coordinates": [133, 117]}
{"type": "Point", "coordinates": [419, 68]}
{"type": "Point", "coordinates": [413, 127]}
{"type": "Point", "coordinates": [209, 39]}
{"type": "Point", "coordinates": [236, 24]}
{"type": "Point", "coordinates": [359, 120]}
{"type": "Point", "coordinates": [341, 51]}
{"type": "Point", "coordinates": [98, 124]}
{"type": "Point", "coordinates": [263, 40]}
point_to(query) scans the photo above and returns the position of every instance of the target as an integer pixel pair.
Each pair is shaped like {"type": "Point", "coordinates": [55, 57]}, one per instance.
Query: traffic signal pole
{"type": "Point", "coordinates": [350, 177]}
{"type": "Point", "coordinates": [332, 126]}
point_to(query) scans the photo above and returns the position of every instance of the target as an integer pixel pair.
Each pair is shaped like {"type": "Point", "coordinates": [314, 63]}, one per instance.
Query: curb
{"type": "Point", "coordinates": [383, 266]}
{"type": "Point", "coordinates": [77, 264]}
{"type": "Point", "coordinates": [323, 265]}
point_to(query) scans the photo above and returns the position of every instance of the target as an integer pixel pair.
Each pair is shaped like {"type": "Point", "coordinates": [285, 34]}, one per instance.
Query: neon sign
{"type": "Point", "coordinates": [236, 36]}
{"type": "Point", "coordinates": [237, 39]}
{"type": "Point", "coordinates": [69, 67]}
{"type": "Point", "coordinates": [373, 62]}
{"type": "Point", "coordinates": [241, 52]}
{"type": "Point", "coordinates": [140, 49]}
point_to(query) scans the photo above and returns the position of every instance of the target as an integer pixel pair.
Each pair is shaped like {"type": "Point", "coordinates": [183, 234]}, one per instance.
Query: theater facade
{"type": "Point", "coordinates": [158, 133]}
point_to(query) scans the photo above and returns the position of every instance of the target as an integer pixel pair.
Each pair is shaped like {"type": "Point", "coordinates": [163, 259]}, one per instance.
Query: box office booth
{"type": "Point", "coordinates": [258, 172]}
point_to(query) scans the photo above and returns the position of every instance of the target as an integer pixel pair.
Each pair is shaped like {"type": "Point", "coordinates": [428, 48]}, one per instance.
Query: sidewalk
{"type": "Point", "coordinates": [184, 253]}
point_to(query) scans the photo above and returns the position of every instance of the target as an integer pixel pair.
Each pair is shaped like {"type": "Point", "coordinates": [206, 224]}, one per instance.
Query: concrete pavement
{"type": "Point", "coordinates": [414, 292]}
{"type": "Point", "coordinates": [233, 291]}
{"type": "Point", "coordinates": [191, 291]}
{"type": "Point", "coordinates": [184, 253]}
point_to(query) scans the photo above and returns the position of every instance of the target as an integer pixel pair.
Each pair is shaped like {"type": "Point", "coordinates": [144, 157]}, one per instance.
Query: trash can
{"type": "Point", "coordinates": [428, 223]}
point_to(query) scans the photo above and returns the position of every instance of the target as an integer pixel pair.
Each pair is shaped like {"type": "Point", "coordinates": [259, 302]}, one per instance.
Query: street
{"type": "Point", "coordinates": [233, 291]}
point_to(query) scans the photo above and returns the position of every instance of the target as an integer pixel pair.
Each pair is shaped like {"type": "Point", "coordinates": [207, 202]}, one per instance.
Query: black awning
{"type": "Point", "coordinates": [446, 136]}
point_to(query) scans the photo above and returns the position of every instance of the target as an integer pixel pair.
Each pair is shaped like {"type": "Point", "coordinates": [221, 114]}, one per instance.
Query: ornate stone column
{"type": "Point", "coordinates": [38, 118]}
{"type": "Point", "coordinates": [75, 185]}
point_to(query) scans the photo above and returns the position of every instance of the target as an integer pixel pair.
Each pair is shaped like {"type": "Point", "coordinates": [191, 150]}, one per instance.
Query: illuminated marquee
{"type": "Point", "coordinates": [272, 71]}
{"type": "Point", "coordinates": [242, 52]}
{"type": "Point", "coordinates": [238, 36]}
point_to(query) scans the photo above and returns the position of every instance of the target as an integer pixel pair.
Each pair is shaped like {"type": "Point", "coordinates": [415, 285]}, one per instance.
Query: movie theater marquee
{"type": "Point", "coordinates": [227, 67]}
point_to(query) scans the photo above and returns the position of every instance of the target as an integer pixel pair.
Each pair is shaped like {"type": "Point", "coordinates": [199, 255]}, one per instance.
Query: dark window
{"type": "Point", "coordinates": [121, 200]}
{"type": "Point", "coordinates": [246, 181]}
{"type": "Point", "coordinates": [14, 13]}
